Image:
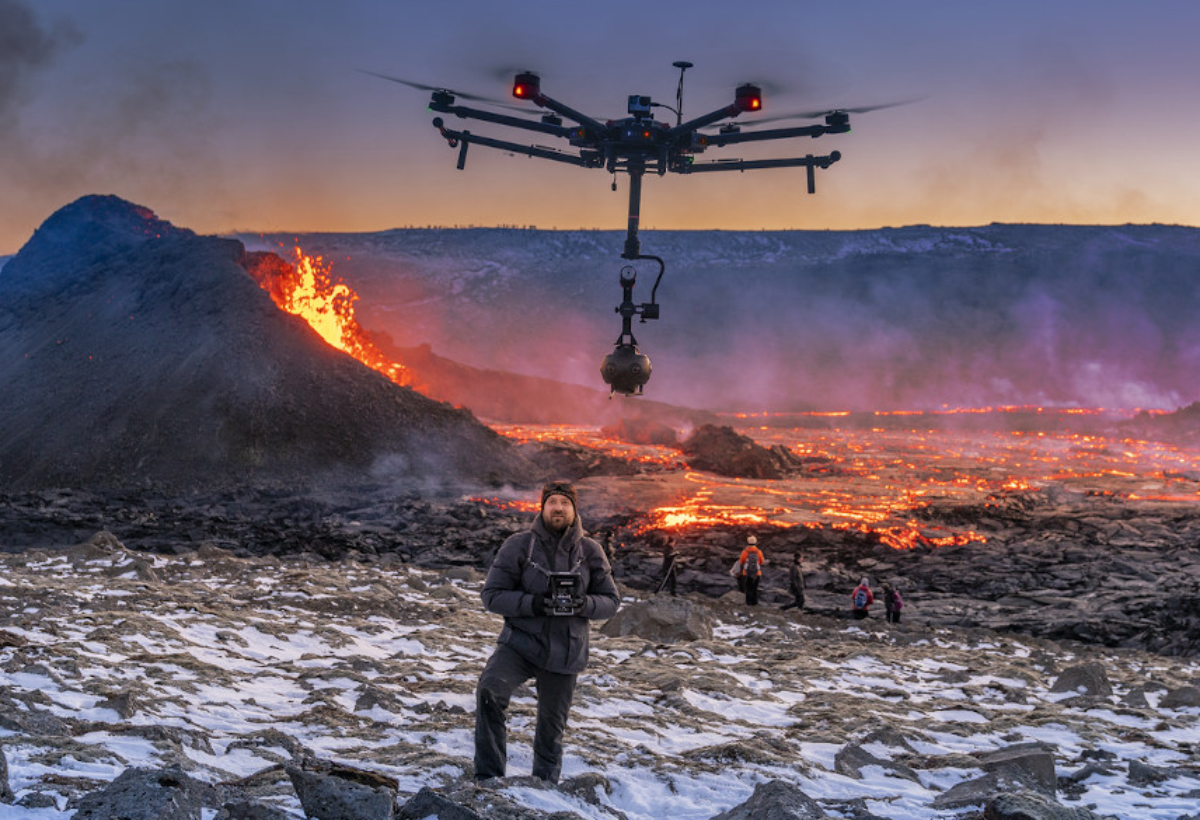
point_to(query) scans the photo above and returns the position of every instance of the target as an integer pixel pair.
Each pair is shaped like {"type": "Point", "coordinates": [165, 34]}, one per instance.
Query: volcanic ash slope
{"type": "Point", "coordinates": [132, 350]}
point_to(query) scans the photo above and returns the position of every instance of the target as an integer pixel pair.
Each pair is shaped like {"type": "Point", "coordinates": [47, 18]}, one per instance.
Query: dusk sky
{"type": "Point", "coordinates": [252, 115]}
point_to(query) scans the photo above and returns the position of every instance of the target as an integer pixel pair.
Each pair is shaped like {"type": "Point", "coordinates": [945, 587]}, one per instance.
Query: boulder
{"type": "Point", "coordinates": [1030, 763]}
{"type": "Point", "coordinates": [975, 792]}
{"type": "Point", "coordinates": [1143, 774]}
{"type": "Point", "coordinates": [1181, 698]}
{"type": "Point", "coordinates": [1087, 679]}
{"type": "Point", "coordinates": [427, 804]}
{"type": "Point", "coordinates": [661, 619]}
{"type": "Point", "coordinates": [335, 792]}
{"type": "Point", "coordinates": [1031, 806]}
{"type": "Point", "coordinates": [148, 794]}
{"type": "Point", "coordinates": [776, 800]}
{"type": "Point", "coordinates": [726, 452]}
{"type": "Point", "coordinates": [15, 716]}
{"type": "Point", "coordinates": [251, 810]}
{"type": "Point", "coordinates": [852, 759]}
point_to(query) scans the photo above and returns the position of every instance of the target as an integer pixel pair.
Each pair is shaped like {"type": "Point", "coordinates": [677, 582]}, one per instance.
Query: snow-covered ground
{"type": "Point", "coordinates": [228, 667]}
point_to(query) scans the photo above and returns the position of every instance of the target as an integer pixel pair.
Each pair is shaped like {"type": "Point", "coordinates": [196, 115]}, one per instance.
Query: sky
{"type": "Point", "coordinates": [256, 115]}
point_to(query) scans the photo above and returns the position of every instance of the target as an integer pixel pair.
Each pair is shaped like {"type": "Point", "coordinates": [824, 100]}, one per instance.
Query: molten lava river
{"type": "Point", "coordinates": [865, 471]}
{"type": "Point", "coordinates": [873, 478]}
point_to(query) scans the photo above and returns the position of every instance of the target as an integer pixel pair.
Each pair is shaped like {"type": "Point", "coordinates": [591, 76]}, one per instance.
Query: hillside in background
{"type": "Point", "coordinates": [133, 351]}
{"type": "Point", "coordinates": [907, 318]}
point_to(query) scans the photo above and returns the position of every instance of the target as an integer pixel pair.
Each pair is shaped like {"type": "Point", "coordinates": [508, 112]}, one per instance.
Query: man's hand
{"type": "Point", "coordinates": [543, 606]}
{"type": "Point", "coordinates": [540, 606]}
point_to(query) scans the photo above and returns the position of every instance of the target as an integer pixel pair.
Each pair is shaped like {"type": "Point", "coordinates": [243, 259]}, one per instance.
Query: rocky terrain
{"type": "Point", "coordinates": [205, 681]}
{"type": "Point", "coordinates": [273, 651]}
{"type": "Point", "coordinates": [1086, 566]}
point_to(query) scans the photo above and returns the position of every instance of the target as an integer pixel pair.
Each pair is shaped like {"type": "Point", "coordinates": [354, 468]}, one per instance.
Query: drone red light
{"type": "Point", "coordinates": [527, 86]}
{"type": "Point", "coordinates": [748, 98]}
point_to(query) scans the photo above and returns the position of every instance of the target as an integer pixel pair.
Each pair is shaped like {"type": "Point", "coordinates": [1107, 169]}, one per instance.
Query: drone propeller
{"type": "Point", "coordinates": [434, 88]}
{"type": "Point", "coordinates": [814, 115]}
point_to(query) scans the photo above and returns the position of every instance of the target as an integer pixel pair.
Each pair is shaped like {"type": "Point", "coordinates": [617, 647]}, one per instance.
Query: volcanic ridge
{"type": "Point", "coordinates": [133, 351]}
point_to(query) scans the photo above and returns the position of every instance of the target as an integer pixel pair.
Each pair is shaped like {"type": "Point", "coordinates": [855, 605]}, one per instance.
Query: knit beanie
{"type": "Point", "coordinates": [563, 488]}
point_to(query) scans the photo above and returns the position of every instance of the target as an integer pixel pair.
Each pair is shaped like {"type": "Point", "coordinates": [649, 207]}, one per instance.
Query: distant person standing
{"type": "Point", "coordinates": [796, 583]}
{"type": "Point", "coordinates": [751, 562]}
{"type": "Point", "coordinates": [670, 559]}
{"type": "Point", "coordinates": [860, 599]}
{"type": "Point", "coordinates": [609, 552]}
{"type": "Point", "coordinates": [892, 604]}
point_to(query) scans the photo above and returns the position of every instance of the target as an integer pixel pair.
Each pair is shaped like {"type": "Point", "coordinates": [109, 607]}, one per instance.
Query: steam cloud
{"type": "Point", "coordinates": [914, 318]}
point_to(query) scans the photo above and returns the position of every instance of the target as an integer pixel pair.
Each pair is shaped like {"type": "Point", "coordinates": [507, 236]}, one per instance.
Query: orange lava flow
{"type": "Point", "coordinates": [507, 504]}
{"type": "Point", "coordinates": [649, 456]}
{"type": "Point", "coordinates": [308, 291]}
{"type": "Point", "coordinates": [875, 481]}
{"type": "Point", "coordinates": [700, 510]}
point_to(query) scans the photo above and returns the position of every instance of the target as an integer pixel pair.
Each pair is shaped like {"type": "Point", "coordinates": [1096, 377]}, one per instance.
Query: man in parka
{"type": "Point", "coordinates": [542, 638]}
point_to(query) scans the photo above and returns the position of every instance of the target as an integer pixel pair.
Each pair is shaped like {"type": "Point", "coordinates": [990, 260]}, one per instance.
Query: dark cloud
{"type": "Point", "coordinates": [25, 48]}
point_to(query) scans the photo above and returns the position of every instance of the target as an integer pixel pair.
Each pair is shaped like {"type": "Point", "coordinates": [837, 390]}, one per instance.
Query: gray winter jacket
{"type": "Point", "coordinates": [519, 573]}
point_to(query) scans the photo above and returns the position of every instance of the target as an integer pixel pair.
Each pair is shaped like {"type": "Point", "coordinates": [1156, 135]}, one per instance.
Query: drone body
{"type": "Point", "coordinates": [635, 145]}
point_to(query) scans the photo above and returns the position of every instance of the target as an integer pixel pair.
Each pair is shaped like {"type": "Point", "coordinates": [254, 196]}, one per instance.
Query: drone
{"type": "Point", "coordinates": [635, 145]}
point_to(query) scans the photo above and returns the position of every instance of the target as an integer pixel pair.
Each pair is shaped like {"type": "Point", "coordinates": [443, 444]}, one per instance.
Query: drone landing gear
{"type": "Point", "coordinates": [626, 370]}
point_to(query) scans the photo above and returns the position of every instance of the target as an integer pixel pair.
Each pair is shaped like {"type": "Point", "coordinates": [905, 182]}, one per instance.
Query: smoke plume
{"type": "Point", "coordinates": [25, 48]}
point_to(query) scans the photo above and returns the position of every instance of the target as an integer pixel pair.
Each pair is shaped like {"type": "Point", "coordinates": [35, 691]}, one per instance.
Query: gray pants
{"type": "Point", "coordinates": [504, 672]}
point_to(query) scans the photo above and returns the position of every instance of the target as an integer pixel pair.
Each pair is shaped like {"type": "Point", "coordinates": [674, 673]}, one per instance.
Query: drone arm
{"type": "Point", "coordinates": [686, 128]}
{"type": "Point", "coordinates": [466, 112]}
{"type": "Point", "coordinates": [755, 164]}
{"type": "Point", "coordinates": [717, 140]}
{"type": "Point", "coordinates": [466, 137]}
{"type": "Point", "coordinates": [810, 162]}
{"type": "Point", "coordinates": [595, 126]}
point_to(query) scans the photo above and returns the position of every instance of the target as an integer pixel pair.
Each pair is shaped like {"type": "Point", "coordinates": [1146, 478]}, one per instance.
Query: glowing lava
{"type": "Point", "coordinates": [307, 290]}
{"type": "Point", "coordinates": [873, 480]}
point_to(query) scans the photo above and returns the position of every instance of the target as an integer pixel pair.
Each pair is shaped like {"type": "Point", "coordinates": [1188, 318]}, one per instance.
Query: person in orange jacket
{"type": "Point", "coordinates": [751, 562]}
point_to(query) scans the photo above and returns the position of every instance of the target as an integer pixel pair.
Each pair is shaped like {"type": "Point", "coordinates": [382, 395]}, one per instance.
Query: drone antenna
{"type": "Point", "coordinates": [682, 65]}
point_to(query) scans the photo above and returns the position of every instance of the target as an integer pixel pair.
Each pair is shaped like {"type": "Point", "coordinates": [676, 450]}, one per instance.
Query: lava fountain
{"type": "Point", "coordinates": [307, 289]}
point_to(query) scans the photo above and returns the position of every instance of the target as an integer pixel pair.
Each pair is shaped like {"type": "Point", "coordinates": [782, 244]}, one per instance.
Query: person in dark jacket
{"type": "Point", "coordinates": [796, 584]}
{"type": "Point", "coordinates": [669, 575]}
{"type": "Point", "coordinates": [892, 603]}
{"type": "Point", "coordinates": [544, 637]}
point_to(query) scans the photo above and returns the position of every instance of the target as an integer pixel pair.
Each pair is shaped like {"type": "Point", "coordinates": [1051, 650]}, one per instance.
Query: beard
{"type": "Point", "coordinates": [557, 521]}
